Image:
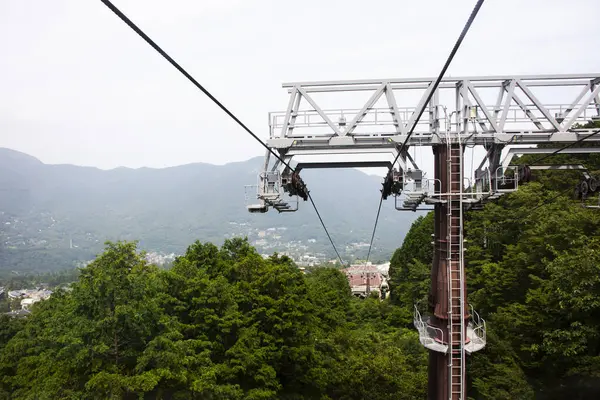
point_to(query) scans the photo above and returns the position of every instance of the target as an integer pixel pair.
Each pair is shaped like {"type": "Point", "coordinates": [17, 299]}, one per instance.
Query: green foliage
{"type": "Point", "coordinates": [330, 293]}
{"type": "Point", "coordinates": [222, 323]}
{"type": "Point", "coordinates": [371, 365]}
{"type": "Point", "coordinates": [75, 341]}
{"type": "Point", "coordinates": [410, 266]}
{"type": "Point", "coordinates": [532, 262]}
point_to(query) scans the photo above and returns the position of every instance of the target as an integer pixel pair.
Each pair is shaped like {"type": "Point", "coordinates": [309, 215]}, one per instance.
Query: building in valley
{"type": "Point", "coordinates": [367, 278]}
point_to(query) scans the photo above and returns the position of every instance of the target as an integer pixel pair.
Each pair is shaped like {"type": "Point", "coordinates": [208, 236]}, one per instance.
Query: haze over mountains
{"type": "Point", "coordinates": [71, 210]}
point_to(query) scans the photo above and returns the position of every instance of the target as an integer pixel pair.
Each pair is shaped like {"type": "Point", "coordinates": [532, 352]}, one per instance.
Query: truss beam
{"type": "Point", "coordinates": [519, 107]}
{"type": "Point", "coordinates": [430, 139]}
{"type": "Point", "coordinates": [491, 78]}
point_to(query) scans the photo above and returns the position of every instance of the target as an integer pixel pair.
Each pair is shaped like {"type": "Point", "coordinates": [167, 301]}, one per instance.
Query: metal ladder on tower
{"type": "Point", "coordinates": [455, 262]}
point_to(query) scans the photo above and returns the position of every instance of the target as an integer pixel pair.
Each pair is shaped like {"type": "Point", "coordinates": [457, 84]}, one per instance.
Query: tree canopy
{"type": "Point", "coordinates": [222, 323]}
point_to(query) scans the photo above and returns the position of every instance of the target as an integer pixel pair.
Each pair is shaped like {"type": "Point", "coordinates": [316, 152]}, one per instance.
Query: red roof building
{"type": "Point", "coordinates": [364, 279]}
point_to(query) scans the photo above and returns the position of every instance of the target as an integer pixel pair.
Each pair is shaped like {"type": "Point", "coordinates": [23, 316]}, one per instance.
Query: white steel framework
{"type": "Point", "coordinates": [491, 111]}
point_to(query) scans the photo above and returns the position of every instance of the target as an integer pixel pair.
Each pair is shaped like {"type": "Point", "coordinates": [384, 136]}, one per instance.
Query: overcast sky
{"type": "Point", "coordinates": [78, 86]}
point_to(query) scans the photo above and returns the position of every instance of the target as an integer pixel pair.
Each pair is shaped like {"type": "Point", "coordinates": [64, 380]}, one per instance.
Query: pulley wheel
{"type": "Point", "coordinates": [584, 188]}
{"type": "Point", "coordinates": [593, 184]}
{"type": "Point", "coordinates": [526, 174]}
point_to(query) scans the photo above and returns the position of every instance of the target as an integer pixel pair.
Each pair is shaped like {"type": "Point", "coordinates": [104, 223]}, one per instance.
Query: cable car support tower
{"type": "Point", "coordinates": [493, 112]}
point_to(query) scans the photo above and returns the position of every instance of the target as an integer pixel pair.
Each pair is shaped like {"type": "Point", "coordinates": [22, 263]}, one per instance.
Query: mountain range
{"type": "Point", "coordinates": [67, 212]}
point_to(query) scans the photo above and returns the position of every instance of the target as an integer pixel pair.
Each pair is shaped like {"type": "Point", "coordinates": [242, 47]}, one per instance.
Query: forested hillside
{"type": "Point", "coordinates": [52, 215]}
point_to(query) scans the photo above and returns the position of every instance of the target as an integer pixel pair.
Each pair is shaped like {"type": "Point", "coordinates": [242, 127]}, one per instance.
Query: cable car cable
{"type": "Point", "coordinates": [156, 47]}
{"type": "Point", "coordinates": [536, 162]}
{"type": "Point", "coordinates": [429, 96]}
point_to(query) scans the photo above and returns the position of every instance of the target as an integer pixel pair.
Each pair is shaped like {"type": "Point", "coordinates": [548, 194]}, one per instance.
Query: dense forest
{"type": "Point", "coordinates": [226, 323]}
{"type": "Point", "coordinates": [222, 323]}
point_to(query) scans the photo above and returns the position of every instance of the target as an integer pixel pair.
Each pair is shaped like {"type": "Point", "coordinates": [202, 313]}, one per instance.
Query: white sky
{"type": "Point", "coordinates": [78, 86]}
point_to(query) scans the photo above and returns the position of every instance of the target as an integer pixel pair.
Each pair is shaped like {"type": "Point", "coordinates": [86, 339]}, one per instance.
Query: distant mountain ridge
{"type": "Point", "coordinates": [54, 207]}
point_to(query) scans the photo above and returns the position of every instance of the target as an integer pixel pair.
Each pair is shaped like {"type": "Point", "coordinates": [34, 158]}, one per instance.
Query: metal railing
{"type": "Point", "coordinates": [516, 119]}
{"type": "Point", "coordinates": [479, 327]}
{"type": "Point", "coordinates": [427, 333]}
{"type": "Point", "coordinates": [503, 180]}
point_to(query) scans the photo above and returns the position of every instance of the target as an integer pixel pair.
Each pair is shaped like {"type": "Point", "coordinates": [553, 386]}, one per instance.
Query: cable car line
{"type": "Point", "coordinates": [536, 162]}
{"type": "Point", "coordinates": [429, 96]}
{"type": "Point", "coordinates": [156, 47]}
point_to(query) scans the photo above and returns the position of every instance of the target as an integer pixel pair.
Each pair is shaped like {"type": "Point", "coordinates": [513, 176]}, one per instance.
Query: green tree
{"type": "Point", "coordinates": [252, 318]}
{"type": "Point", "coordinates": [86, 343]}
{"type": "Point", "coordinates": [330, 294]}
{"type": "Point", "coordinates": [410, 266]}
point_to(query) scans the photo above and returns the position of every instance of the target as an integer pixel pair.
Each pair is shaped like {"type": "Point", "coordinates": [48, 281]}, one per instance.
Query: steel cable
{"type": "Point", "coordinates": [429, 96]}
{"type": "Point", "coordinates": [156, 47]}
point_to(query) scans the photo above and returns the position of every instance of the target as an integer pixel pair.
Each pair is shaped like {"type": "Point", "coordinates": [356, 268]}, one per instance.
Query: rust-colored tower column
{"type": "Point", "coordinates": [444, 297]}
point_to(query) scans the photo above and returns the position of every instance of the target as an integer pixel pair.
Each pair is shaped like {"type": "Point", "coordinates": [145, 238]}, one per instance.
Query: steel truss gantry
{"type": "Point", "coordinates": [494, 112]}
{"type": "Point", "coordinates": [491, 111]}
